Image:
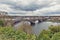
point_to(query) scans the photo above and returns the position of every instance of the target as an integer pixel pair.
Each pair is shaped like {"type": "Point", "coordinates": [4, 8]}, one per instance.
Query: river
{"type": "Point", "coordinates": [37, 28]}
{"type": "Point", "coordinates": [43, 25]}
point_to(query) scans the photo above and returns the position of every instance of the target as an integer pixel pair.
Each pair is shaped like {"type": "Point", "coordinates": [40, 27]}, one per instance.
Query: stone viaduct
{"type": "Point", "coordinates": [11, 20]}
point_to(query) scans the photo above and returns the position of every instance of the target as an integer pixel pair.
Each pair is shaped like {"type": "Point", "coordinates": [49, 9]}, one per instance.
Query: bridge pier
{"type": "Point", "coordinates": [32, 23]}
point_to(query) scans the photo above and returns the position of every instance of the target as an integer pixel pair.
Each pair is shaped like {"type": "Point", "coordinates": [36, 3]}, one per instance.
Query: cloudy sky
{"type": "Point", "coordinates": [31, 7]}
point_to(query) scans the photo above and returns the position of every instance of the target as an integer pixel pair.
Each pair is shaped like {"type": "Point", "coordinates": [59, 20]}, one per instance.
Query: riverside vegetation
{"type": "Point", "coordinates": [9, 33]}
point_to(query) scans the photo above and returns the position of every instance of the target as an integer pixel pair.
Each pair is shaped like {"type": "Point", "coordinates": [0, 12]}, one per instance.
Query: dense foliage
{"type": "Point", "coordinates": [56, 36]}
{"type": "Point", "coordinates": [1, 23]}
{"type": "Point", "coordinates": [53, 33]}
{"type": "Point", "coordinates": [9, 33]}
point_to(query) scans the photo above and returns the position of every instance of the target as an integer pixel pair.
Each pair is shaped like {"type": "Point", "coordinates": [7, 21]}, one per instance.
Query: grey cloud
{"type": "Point", "coordinates": [32, 6]}
{"type": "Point", "coordinates": [26, 8]}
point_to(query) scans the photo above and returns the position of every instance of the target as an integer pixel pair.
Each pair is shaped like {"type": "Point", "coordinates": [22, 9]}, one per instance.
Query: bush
{"type": "Point", "coordinates": [1, 23]}
{"type": "Point", "coordinates": [45, 35]}
{"type": "Point", "coordinates": [53, 33]}
{"type": "Point", "coordinates": [25, 27]}
{"type": "Point", "coordinates": [54, 29]}
{"type": "Point", "coordinates": [9, 33]}
{"type": "Point", "coordinates": [56, 36]}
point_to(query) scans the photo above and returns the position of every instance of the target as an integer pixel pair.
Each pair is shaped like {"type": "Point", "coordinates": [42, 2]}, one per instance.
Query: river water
{"type": "Point", "coordinates": [37, 28]}
{"type": "Point", "coordinates": [43, 25]}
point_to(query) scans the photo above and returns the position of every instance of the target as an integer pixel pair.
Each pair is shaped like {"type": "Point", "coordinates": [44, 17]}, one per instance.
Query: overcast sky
{"type": "Point", "coordinates": [31, 7]}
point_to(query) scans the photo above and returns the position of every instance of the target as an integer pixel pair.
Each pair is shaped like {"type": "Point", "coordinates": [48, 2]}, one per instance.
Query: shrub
{"type": "Point", "coordinates": [1, 23]}
{"type": "Point", "coordinates": [45, 35]}
{"type": "Point", "coordinates": [53, 33]}
{"type": "Point", "coordinates": [56, 36]}
{"type": "Point", "coordinates": [25, 27]}
{"type": "Point", "coordinates": [9, 33]}
{"type": "Point", "coordinates": [54, 29]}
